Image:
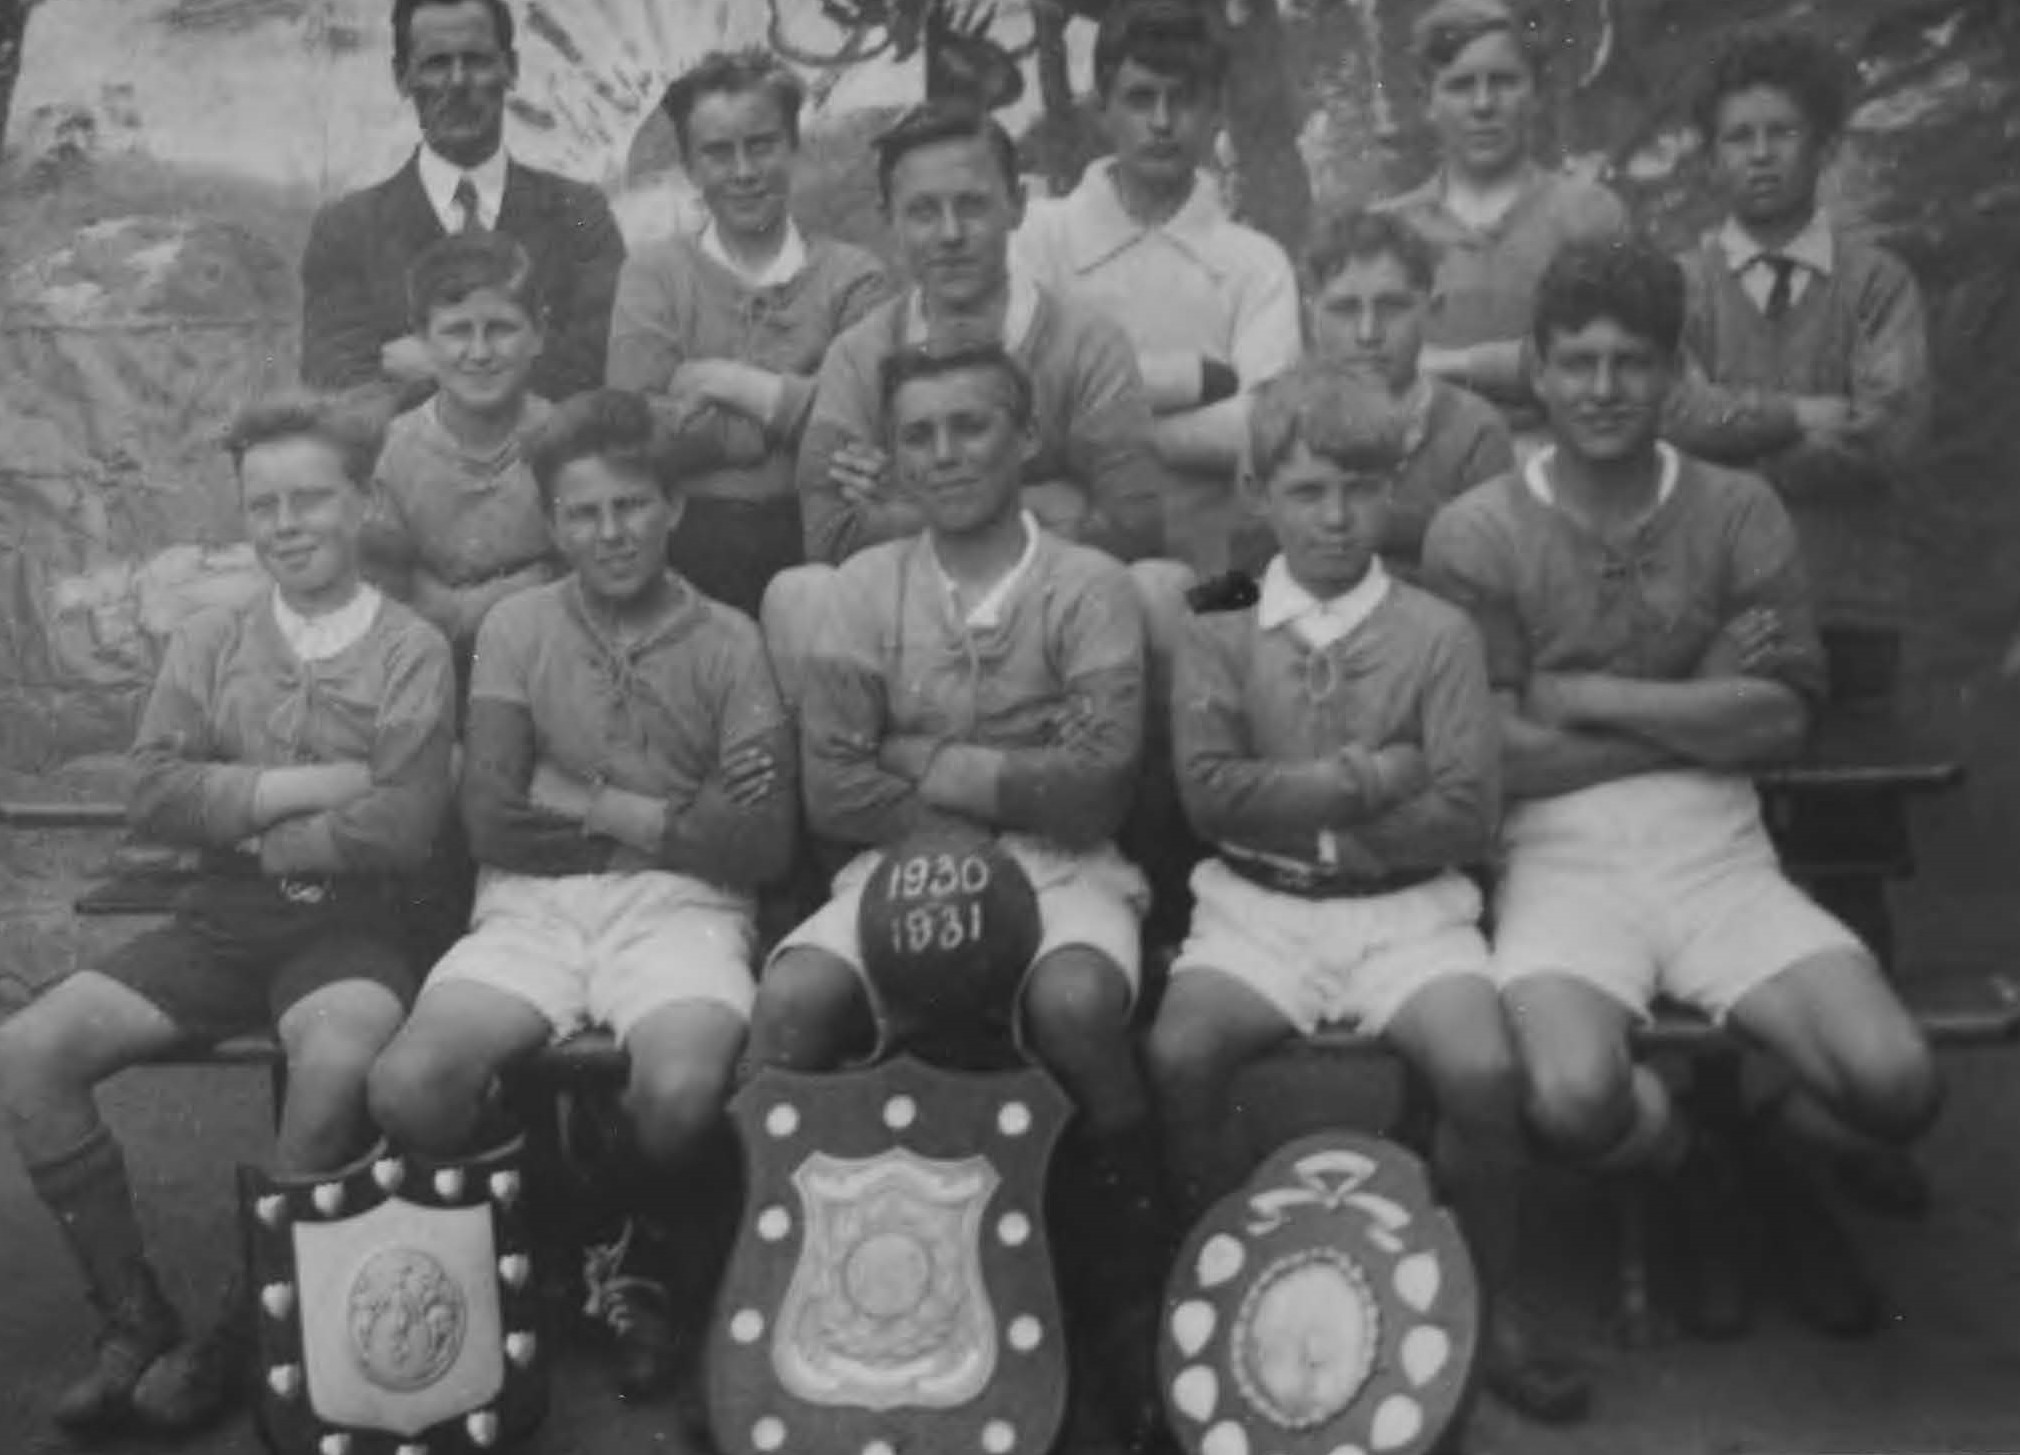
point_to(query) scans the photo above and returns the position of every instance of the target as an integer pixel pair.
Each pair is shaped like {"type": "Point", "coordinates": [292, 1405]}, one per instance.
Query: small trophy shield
{"type": "Point", "coordinates": [892, 1283]}
{"type": "Point", "coordinates": [1327, 1306]}
{"type": "Point", "coordinates": [395, 1306]}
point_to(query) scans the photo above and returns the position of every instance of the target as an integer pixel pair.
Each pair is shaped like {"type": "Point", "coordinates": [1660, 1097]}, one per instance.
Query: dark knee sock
{"type": "Point", "coordinates": [87, 1189]}
{"type": "Point", "coordinates": [1112, 1227]}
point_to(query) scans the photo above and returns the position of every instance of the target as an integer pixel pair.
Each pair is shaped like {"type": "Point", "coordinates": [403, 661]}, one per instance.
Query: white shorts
{"type": "Point", "coordinates": [1354, 962]}
{"type": "Point", "coordinates": [1096, 898]}
{"type": "Point", "coordinates": [605, 949]}
{"type": "Point", "coordinates": [1664, 884]}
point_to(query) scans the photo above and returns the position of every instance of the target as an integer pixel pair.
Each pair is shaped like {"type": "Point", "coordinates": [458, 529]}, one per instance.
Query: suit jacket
{"type": "Point", "coordinates": [354, 274]}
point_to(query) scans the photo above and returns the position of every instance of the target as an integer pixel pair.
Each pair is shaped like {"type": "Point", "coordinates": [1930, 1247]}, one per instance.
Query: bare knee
{"type": "Point", "coordinates": [1076, 1001]}
{"type": "Point", "coordinates": [810, 1005]}
{"type": "Point", "coordinates": [673, 1106]}
{"type": "Point", "coordinates": [1189, 1051]}
{"type": "Point", "coordinates": [1582, 1105]}
{"type": "Point", "coordinates": [1894, 1091]}
{"type": "Point", "coordinates": [425, 1098]}
{"type": "Point", "coordinates": [43, 1054]}
{"type": "Point", "coordinates": [1479, 1087]}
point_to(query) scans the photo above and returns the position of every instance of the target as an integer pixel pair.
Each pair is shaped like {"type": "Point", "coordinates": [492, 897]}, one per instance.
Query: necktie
{"type": "Point", "coordinates": [1782, 291]}
{"type": "Point", "coordinates": [464, 199]}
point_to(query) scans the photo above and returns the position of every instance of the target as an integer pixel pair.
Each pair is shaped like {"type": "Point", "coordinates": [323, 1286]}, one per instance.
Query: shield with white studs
{"type": "Point", "coordinates": [892, 1286]}
{"type": "Point", "coordinates": [1327, 1306]}
{"type": "Point", "coordinates": [395, 1305]}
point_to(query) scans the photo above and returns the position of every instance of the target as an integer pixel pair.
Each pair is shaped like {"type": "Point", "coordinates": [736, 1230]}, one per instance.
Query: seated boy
{"type": "Point", "coordinates": [988, 673]}
{"type": "Point", "coordinates": [1812, 345]}
{"type": "Point", "coordinates": [1337, 745]}
{"type": "Point", "coordinates": [301, 741]}
{"type": "Point", "coordinates": [1650, 639]}
{"type": "Point", "coordinates": [627, 785]}
{"type": "Point", "coordinates": [456, 524]}
{"type": "Point", "coordinates": [1210, 306]}
{"type": "Point", "coordinates": [1369, 280]}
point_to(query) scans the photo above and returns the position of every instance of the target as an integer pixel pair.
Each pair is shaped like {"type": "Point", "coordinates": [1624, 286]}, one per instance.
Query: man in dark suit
{"type": "Point", "coordinates": [455, 61]}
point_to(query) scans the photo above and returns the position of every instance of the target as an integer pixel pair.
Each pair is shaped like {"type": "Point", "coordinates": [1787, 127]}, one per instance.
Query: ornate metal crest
{"type": "Point", "coordinates": [396, 1307]}
{"type": "Point", "coordinates": [892, 1285]}
{"type": "Point", "coordinates": [1327, 1308]}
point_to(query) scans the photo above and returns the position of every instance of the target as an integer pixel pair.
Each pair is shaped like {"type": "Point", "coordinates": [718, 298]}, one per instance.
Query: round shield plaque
{"type": "Point", "coordinates": [407, 1318]}
{"type": "Point", "coordinates": [1328, 1305]}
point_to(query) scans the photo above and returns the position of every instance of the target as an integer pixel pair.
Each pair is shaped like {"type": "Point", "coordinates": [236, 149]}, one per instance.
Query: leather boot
{"type": "Point", "coordinates": [86, 1188]}
{"type": "Point", "coordinates": [201, 1380]}
{"type": "Point", "coordinates": [140, 1326]}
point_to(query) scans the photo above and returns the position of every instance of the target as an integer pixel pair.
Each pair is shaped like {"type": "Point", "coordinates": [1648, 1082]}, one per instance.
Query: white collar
{"type": "Point", "coordinates": [439, 177]}
{"type": "Point", "coordinates": [1536, 474]}
{"type": "Point", "coordinates": [1098, 226]}
{"type": "Point", "coordinates": [1813, 247]}
{"type": "Point", "coordinates": [988, 612]}
{"type": "Point", "coordinates": [1284, 602]}
{"type": "Point", "coordinates": [314, 638]}
{"type": "Point", "coordinates": [1018, 311]}
{"type": "Point", "coordinates": [783, 268]}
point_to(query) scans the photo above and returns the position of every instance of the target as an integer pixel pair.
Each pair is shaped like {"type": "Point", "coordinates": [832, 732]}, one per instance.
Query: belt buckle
{"type": "Point", "coordinates": [303, 891]}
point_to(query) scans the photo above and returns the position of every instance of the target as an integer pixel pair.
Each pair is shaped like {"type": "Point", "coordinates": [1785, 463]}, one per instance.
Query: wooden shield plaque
{"type": "Point", "coordinates": [892, 1284]}
{"type": "Point", "coordinates": [396, 1307]}
{"type": "Point", "coordinates": [1329, 1307]}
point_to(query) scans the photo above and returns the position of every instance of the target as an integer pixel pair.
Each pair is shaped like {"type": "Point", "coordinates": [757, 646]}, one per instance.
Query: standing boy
{"type": "Point", "coordinates": [986, 673]}
{"type": "Point", "coordinates": [949, 180]}
{"type": "Point", "coordinates": [1651, 640]}
{"type": "Point", "coordinates": [725, 330]}
{"type": "Point", "coordinates": [1369, 281]}
{"type": "Point", "coordinates": [1338, 747]}
{"type": "Point", "coordinates": [456, 524]}
{"type": "Point", "coordinates": [1813, 347]}
{"type": "Point", "coordinates": [627, 785]}
{"type": "Point", "coordinates": [1210, 306]}
{"type": "Point", "coordinates": [301, 741]}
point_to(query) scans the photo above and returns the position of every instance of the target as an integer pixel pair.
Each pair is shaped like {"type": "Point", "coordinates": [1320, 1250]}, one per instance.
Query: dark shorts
{"type": "Point", "coordinates": [730, 549]}
{"type": "Point", "coordinates": [240, 952]}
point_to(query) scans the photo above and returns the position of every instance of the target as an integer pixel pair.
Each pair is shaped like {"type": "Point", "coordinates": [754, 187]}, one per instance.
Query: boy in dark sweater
{"type": "Point", "coordinates": [301, 740]}
{"type": "Point", "coordinates": [1811, 344]}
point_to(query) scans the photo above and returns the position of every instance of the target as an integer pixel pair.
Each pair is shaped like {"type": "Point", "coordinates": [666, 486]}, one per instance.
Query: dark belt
{"type": "Point", "coordinates": [1317, 881]}
{"type": "Point", "coordinates": [302, 889]}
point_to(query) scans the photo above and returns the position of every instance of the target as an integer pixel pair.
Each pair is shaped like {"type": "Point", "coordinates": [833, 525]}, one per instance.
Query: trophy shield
{"type": "Point", "coordinates": [1330, 1304]}
{"type": "Point", "coordinates": [395, 1306]}
{"type": "Point", "coordinates": [892, 1284]}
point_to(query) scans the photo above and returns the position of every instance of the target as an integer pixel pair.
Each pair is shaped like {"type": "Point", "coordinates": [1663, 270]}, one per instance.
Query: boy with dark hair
{"type": "Point", "coordinates": [1210, 306]}
{"type": "Point", "coordinates": [1651, 640]}
{"type": "Point", "coordinates": [456, 62]}
{"type": "Point", "coordinates": [301, 740]}
{"type": "Point", "coordinates": [1337, 745]}
{"type": "Point", "coordinates": [949, 179]}
{"type": "Point", "coordinates": [725, 330]}
{"type": "Point", "coordinates": [456, 525]}
{"type": "Point", "coordinates": [1369, 282]}
{"type": "Point", "coordinates": [1812, 343]}
{"type": "Point", "coordinates": [986, 673]}
{"type": "Point", "coordinates": [1492, 212]}
{"type": "Point", "coordinates": [627, 786]}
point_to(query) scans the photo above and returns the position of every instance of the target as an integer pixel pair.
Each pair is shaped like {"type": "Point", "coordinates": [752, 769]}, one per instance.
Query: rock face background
{"type": "Point", "coordinates": [163, 158]}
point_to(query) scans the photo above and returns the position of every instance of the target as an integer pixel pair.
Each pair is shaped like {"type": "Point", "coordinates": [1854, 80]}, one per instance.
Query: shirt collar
{"type": "Point", "coordinates": [783, 268]}
{"type": "Point", "coordinates": [439, 177]}
{"type": "Point", "coordinates": [314, 638]}
{"type": "Point", "coordinates": [1536, 474]}
{"type": "Point", "coordinates": [1416, 407]}
{"type": "Point", "coordinates": [1018, 311]}
{"type": "Point", "coordinates": [988, 612]}
{"type": "Point", "coordinates": [1813, 247]}
{"type": "Point", "coordinates": [1098, 226]}
{"type": "Point", "coordinates": [1284, 602]}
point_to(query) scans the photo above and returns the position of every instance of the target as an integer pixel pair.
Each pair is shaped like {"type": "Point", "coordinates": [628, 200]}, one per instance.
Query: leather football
{"type": "Point", "coordinates": [948, 925]}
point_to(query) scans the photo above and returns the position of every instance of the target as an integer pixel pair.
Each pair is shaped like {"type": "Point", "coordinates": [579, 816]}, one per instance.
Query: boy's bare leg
{"type": "Point", "coordinates": [1209, 1027]}
{"type": "Point", "coordinates": [432, 1090]}
{"type": "Point", "coordinates": [1455, 1032]}
{"type": "Point", "coordinates": [812, 1013]}
{"type": "Point", "coordinates": [52, 1054]}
